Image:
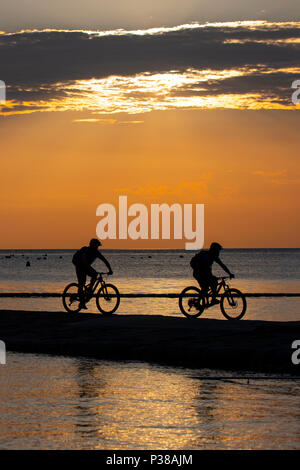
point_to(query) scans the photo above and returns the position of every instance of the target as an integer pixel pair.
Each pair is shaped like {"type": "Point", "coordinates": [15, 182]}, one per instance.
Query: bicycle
{"type": "Point", "coordinates": [233, 305]}
{"type": "Point", "coordinates": [107, 297]}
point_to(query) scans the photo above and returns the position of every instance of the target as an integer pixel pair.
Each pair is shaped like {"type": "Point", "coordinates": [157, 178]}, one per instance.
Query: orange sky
{"type": "Point", "coordinates": [243, 165]}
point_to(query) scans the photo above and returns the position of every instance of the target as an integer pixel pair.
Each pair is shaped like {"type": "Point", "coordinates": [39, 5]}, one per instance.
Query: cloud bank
{"type": "Point", "coordinates": [248, 65]}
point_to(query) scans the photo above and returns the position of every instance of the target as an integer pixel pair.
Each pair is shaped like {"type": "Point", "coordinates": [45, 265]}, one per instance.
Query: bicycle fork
{"type": "Point", "coordinates": [230, 298]}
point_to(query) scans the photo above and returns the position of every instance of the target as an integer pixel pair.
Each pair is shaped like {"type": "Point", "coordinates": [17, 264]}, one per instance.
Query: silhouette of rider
{"type": "Point", "coordinates": [82, 260]}
{"type": "Point", "coordinates": [202, 269]}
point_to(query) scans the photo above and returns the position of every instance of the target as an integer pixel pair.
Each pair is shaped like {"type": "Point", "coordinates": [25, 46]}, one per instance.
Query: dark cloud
{"type": "Point", "coordinates": [274, 85]}
{"type": "Point", "coordinates": [30, 63]}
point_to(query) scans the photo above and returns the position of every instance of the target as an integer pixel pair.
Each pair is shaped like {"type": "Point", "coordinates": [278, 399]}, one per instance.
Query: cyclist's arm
{"type": "Point", "coordinates": [223, 266]}
{"type": "Point", "coordinates": [100, 256]}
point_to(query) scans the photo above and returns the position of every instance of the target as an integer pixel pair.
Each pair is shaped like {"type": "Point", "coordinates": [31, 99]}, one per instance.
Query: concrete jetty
{"type": "Point", "coordinates": [245, 345]}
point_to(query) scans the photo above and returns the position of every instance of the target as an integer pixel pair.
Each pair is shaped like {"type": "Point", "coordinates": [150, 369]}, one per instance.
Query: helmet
{"type": "Point", "coordinates": [215, 246]}
{"type": "Point", "coordinates": [95, 243]}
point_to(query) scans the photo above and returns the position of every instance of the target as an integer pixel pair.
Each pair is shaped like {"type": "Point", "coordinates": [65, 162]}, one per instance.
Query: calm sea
{"type": "Point", "coordinates": [49, 402]}
{"type": "Point", "coordinates": [272, 270]}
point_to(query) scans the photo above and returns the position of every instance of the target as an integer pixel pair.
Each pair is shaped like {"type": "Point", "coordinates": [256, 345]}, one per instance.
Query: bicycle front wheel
{"type": "Point", "coordinates": [70, 298]}
{"type": "Point", "coordinates": [233, 304]}
{"type": "Point", "coordinates": [191, 302]}
{"type": "Point", "coordinates": [108, 299]}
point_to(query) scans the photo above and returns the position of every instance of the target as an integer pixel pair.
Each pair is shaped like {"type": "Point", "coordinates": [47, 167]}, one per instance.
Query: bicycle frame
{"type": "Point", "coordinates": [232, 302]}
{"type": "Point", "coordinates": [103, 293]}
{"type": "Point", "coordinates": [221, 284]}
{"type": "Point", "coordinates": [99, 281]}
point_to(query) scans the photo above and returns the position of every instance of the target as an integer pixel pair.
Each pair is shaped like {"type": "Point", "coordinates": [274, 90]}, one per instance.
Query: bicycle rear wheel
{"type": "Point", "coordinates": [108, 299]}
{"type": "Point", "coordinates": [191, 302]}
{"type": "Point", "coordinates": [233, 304]}
{"type": "Point", "coordinates": [70, 298]}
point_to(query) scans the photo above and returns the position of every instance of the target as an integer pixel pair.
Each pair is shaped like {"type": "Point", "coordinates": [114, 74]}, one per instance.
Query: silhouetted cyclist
{"type": "Point", "coordinates": [82, 260]}
{"type": "Point", "coordinates": [202, 269]}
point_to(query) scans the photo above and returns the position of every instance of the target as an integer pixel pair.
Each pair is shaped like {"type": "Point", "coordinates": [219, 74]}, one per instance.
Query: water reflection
{"type": "Point", "coordinates": [272, 309]}
{"type": "Point", "coordinates": [59, 402]}
{"type": "Point", "coordinates": [251, 415]}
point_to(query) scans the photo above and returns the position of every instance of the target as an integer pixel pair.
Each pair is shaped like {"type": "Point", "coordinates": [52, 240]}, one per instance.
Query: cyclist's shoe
{"type": "Point", "coordinates": [214, 302]}
{"type": "Point", "coordinates": [83, 307]}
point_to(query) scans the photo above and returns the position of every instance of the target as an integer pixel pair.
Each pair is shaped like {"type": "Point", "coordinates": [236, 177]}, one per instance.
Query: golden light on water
{"type": "Point", "coordinates": [60, 402]}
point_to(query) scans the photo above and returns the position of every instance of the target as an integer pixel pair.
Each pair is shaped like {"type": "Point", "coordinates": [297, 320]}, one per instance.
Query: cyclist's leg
{"type": "Point", "coordinates": [81, 276]}
{"type": "Point", "coordinates": [93, 275]}
{"type": "Point", "coordinates": [213, 284]}
{"type": "Point", "coordinates": [202, 281]}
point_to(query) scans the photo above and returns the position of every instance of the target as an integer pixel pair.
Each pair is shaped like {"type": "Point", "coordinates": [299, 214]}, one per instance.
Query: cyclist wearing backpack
{"type": "Point", "coordinates": [202, 269]}
{"type": "Point", "coordinates": [82, 260]}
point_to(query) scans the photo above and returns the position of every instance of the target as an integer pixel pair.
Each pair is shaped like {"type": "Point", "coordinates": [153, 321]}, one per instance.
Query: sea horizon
{"type": "Point", "coordinates": [146, 249]}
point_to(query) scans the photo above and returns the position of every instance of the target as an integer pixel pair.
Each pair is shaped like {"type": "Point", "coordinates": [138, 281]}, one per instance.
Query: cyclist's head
{"type": "Point", "coordinates": [215, 248]}
{"type": "Point", "coordinates": [95, 243]}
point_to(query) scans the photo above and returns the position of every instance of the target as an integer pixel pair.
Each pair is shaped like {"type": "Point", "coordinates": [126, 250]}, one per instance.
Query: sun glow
{"type": "Point", "coordinates": [147, 92]}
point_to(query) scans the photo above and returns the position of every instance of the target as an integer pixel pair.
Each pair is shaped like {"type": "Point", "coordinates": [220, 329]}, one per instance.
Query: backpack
{"type": "Point", "coordinates": [193, 262]}
{"type": "Point", "coordinates": [78, 256]}
{"type": "Point", "coordinates": [196, 260]}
